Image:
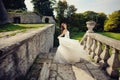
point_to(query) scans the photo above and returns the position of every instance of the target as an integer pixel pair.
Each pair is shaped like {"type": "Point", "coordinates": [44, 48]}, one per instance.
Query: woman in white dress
{"type": "Point", "coordinates": [68, 51]}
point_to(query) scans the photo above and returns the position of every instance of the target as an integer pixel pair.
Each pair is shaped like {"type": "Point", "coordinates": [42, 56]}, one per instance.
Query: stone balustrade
{"type": "Point", "coordinates": [103, 50]}
{"type": "Point", "coordinates": [18, 53]}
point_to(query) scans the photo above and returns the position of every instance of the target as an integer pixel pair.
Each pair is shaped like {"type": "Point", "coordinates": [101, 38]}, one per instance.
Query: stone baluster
{"type": "Point", "coordinates": [113, 63]}
{"type": "Point", "coordinates": [84, 44]}
{"type": "Point", "coordinates": [98, 51]}
{"type": "Point", "coordinates": [83, 39]}
{"type": "Point", "coordinates": [88, 44]}
{"type": "Point", "coordinates": [104, 57]}
{"type": "Point", "coordinates": [93, 47]}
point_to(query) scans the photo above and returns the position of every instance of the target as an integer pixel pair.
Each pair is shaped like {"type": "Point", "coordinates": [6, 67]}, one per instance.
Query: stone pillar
{"type": "Point", "coordinates": [90, 26]}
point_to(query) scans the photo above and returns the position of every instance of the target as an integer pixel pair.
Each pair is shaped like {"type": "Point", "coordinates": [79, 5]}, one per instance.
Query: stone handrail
{"type": "Point", "coordinates": [106, 40]}
{"type": "Point", "coordinates": [103, 50]}
{"type": "Point", "coordinates": [18, 53]}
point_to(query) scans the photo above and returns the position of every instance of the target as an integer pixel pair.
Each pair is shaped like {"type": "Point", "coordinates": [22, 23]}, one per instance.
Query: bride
{"type": "Point", "coordinates": [68, 51]}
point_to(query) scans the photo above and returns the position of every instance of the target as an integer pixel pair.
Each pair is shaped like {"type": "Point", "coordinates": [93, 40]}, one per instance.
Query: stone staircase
{"type": "Point", "coordinates": [45, 69]}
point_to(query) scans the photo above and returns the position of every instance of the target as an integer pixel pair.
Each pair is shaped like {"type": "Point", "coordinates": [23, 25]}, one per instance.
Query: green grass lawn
{"type": "Point", "coordinates": [111, 35]}
{"type": "Point", "coordinates": [79, 35]}
{"type": "Point", "coordinates": [15, 27]}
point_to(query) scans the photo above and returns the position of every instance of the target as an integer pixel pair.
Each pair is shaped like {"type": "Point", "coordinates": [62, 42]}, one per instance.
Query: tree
{"type": "Point", "coordinates": [71, 10]}
{"type": "Point", "coordinates": [53, 3]}
{"type": "Point", "coordinates": [43, 7]}
{"type": "Point", "coordinates": [113, 22]}
{"type": "Point", "coordinates": [77, 22]}
{"type": "Point", "coordinates": [100, 20]}
{"type": "Point", "coordinates": [3, 14]}
{"type": "Point", "coordinates": [14, 4]}
{"type": "Point", "coordinates": [90, 15]}
{"type": "Point", "coordinates": [60, 9]}
{"type": "Point", "coordinates": [64, 11]}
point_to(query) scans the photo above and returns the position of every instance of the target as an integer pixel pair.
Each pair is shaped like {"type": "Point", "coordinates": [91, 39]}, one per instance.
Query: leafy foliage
{"type": "Point", "coordinates": [90, 15]}
{"type": "Point", "coordinates": [113, 22]}
{"type": "Point", "coordinates": [43, 7]}
{"type": "Point", "coordinates": [60, 9]}
{"type": "Point", "coordinates": [100, 20]}
{"type": "Point", "coordinates": [64, 11]}
{"type": "Point", "coordinates": [14, 4]}
{"type": "Point", "coordinates": [78, 20]}
{"type": "Point", "coordinates": [71, 10]}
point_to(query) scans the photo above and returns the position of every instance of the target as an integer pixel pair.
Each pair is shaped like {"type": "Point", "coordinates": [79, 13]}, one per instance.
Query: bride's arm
{"type": "Point", "coordinates": [62, 34]}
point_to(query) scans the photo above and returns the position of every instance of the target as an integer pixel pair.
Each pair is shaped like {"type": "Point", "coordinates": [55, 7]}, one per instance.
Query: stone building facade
{"type": "Point", "coordinates": [29, 18]}
{"type": "Point", "coordinates": [24, 18]}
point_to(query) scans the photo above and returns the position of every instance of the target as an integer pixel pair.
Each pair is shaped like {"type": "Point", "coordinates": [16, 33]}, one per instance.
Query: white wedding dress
{"type": "Point", "coordinates": [69, 50]}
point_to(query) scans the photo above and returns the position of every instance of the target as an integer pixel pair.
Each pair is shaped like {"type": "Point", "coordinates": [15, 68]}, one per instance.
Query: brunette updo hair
{"type": "Point", "coordinates": [62, 26]}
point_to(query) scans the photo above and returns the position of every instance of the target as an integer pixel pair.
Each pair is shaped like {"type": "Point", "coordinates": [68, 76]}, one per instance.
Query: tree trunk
{"type": "Point", "coordinates": [3, 14]}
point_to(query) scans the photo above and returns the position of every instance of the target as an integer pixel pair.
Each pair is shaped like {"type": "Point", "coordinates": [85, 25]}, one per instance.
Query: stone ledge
{"type": "Point", "coordinates": [17, 39]}
{"type": "Point", "coordinates": [6, 45]}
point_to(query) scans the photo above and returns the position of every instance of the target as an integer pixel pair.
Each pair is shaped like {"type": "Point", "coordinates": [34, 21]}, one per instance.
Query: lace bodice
{"type": "Point", "coordinates": [67, 34]}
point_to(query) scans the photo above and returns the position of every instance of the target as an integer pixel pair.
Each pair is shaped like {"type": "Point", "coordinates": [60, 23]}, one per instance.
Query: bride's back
{"type": "Point", "coordinates": [67, 34]}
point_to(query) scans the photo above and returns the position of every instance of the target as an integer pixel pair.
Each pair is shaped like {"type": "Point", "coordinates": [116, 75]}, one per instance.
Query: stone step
{"type": "Point", "coordinates": [44, 74]}
{"type": "Point", "coordinates": [45, 69]}
{"type": "Point", "coordinates": [89, 70]}
{"type": "Point", "coordinates": [61, 72]}
{"type": "Point", "coordinates": [82, 74]}
{"type": "Point", "coordinates": [37, 68]}
{"type": "Point", "coordinates": [34, 72]}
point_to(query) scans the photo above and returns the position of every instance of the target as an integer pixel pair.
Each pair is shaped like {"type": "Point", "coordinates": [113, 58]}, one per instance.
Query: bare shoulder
{"type": "Point", "coordinates": [64, 31]}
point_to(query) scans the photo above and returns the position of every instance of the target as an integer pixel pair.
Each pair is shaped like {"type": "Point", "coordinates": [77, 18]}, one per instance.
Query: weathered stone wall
{"type": "Point", "coordinates": [25, 17]}
{"type": "Point", "coordinates": [18, 52]}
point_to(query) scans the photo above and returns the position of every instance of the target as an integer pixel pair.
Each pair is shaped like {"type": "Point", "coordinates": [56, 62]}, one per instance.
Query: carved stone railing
{"type": "Point", "coordinates": [104, 50]}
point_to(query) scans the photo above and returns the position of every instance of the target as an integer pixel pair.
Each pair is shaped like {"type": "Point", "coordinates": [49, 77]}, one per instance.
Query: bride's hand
{"type": "Point", "coordinates": [58, 37]}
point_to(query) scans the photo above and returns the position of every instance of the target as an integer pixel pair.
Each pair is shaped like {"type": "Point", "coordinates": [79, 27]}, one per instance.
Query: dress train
{"type": "Point", "coordinates": [69, 51]}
